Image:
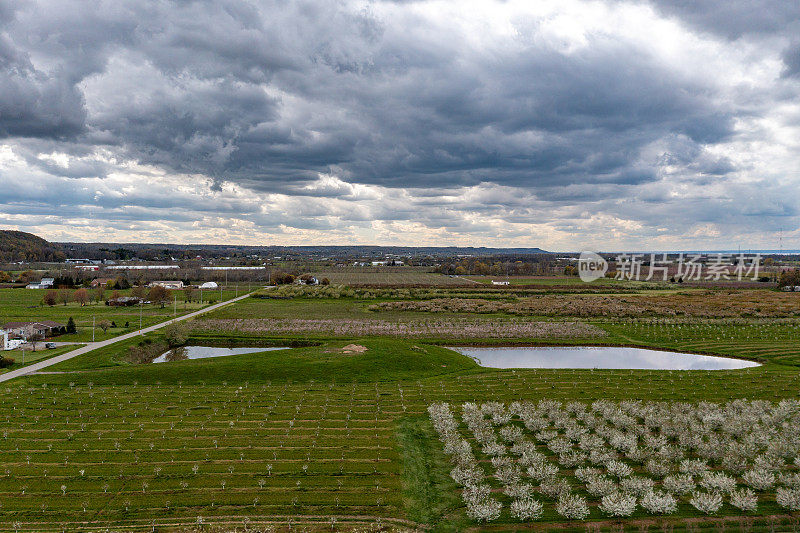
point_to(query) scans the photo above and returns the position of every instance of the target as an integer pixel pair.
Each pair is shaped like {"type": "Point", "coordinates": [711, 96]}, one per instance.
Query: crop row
{"type": "Point", "coordinates": [623, 456]}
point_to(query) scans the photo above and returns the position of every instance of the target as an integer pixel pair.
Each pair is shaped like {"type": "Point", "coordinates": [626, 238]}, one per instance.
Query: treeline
{"type": "Point", "coordinates": [16, 246]}
{"type": "Point", "coordinates": [540, 265]}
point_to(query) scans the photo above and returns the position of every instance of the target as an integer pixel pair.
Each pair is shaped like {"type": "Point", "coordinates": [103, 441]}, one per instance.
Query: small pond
{"type": "Point", "coordinates": [598, 357]}
{"type": "Point", "coordinates": [203, 352]}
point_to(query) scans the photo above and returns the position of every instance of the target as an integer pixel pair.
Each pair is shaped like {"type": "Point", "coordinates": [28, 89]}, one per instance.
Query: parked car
{"type": "Point", "coordinates": [49, 345]}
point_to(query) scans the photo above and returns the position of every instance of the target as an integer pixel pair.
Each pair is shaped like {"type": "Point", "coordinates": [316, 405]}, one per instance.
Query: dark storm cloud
{"type": "Point", "coordinates": [734, 18]}
{"type": "Point", "coordinates": [270, 95]}
{"type": "Point", "coordinates": [791, 58]}
{"type": "Point", "coordinates": [34, 103]}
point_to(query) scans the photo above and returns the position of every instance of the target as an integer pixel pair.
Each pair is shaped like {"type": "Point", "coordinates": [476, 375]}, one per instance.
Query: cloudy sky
{"type": "Point", "coordinates": [566, 125]}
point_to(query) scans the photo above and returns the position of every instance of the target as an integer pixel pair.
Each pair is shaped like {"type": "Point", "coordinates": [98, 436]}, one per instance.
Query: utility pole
{"type": "Point", "coordinates": [92, 328]}
{"type": "Point", "coordinates": [140, 318]}
{"type": "Point", "coordinates": [175, 307]}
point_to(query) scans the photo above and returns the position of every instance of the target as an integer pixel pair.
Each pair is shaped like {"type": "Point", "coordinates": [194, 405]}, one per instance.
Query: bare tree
{"type": "Point", "coordinates": [50, 298]}
{"type": "Point", "coordinates": [81, 296]}
{"type": "Point", "coordinates": [188, 293]}
{"type": "Point", "coordinates": [64, 296]}
{"type": "Point", "coordinates": [35, 337]}
{"type": "Point", "coordinates": [159, 295]}
{"type": "Point", "coordinates": [99, 294]}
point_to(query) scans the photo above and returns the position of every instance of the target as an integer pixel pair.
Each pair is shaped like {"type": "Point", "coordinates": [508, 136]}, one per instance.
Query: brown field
{"type": "Point", "coordinates": [402, 279]}
{"type": "Point", "coordinates": [695, 303]}
{"type": "Point", "coordinates": [473, 329]}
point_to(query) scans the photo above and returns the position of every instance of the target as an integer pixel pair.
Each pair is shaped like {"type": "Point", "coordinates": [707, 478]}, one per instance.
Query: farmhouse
{"type": "Point", "coordinates": [124, 301]}
{"type": "Point", "coordinates": [9, 343]}
{"type": "Point", "coordinates": [100, 282]}
{"type": "Point", "coordinates": [45, 328]}
{"type": "Point", "coordinates": [46, 283]}
{"type": "Point", "coordinates": [167, 284]}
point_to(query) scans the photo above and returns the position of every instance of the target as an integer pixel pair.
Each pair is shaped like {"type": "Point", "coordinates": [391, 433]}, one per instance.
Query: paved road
{"type": "Point", "coordinates": [95, 345]}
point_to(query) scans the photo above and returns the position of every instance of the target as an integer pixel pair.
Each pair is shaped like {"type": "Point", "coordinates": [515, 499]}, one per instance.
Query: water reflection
{"type": "Point", "coordinates": [203, 352]}
{"type": "Point", "coordinates": [598, 357]}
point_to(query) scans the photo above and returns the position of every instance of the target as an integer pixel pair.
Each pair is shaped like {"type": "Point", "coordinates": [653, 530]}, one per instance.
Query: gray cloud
{"type": "Point", "coordinates": [276, 95]}
{"type": "Point", "coordinates": [268, 96]}
{"type": "Point", "coordinates": [734, 18]}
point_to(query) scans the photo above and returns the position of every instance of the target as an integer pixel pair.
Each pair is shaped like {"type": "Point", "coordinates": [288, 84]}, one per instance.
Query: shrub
{"type": "Point", "coordinates": [717, 482]}
{"type": "Point", "coordinates": [706, 502]}
{"type": "Point", "coordinates": [526, 509]}
{"type": "Point", "coordinates": [744, 499]}
{"type": "Point", "coordinates": [759, 479]}
{"type": "Point", "coordinates": [638, 486]}
{"type": "Point", "coordinates": [618, 469]}
{"type": "Point", "coordinates": [679, 483]}
{"type": "Point", "coordinates": [176, 334]}
{"type": "Point", "coordinates": [572, 506]}
{"type": "Point", "coordinates": [657, 502]}
{"type": "Point", "coordinates": [484, 511]}
{"type": "Point", "coordinates": [6, 362]}
{"type": "Point", "coordinates": [618, 504]}
{"type": "Point", "coordinates": [145, 351]}
{"type": "Point", "coordinates": [554, 487]}
{"type": "Point", "coordinates": [600, 486]}
{"type": "Point", "coordinates": [788, 498]}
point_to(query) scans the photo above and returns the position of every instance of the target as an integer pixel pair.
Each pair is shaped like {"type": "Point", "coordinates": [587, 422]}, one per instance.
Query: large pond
{"type": "Point", "coordinates": [598, 357]}
{"type": "Point", "coordinates": [203, 352]}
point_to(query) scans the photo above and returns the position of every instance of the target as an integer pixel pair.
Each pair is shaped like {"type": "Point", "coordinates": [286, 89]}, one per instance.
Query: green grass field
{"type": "Point", "coordinates": [27, 357]}
{"type": "Point", "coordinates": [313, 435]}
{"type": "Point", "coordinates": [24, 305]}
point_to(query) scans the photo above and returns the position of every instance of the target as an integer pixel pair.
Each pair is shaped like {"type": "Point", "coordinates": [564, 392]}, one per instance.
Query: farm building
{"type": "Point", "coordinates": [499, 282]}
{"type": "Point", "coordinates": [167, 284]}
{"type": "Point", "coordinates": [100, 282]}
{"type": "Point", "coordinates": [9, 343]}
{"type": "Point", "coordinates": [209, 285]}
{"type": "Point", "coordinates": [46, 283]}
{"type": "Point", "coordinates": [124, 301]}
{"type": "Point", "coordinates": [46, 328]}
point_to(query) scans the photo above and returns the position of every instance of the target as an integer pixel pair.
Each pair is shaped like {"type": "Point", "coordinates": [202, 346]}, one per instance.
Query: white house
{"type": "Point", "coordinates": [46, 283]}
{"type": "Point", "coordinates": [10, 344]}
{"type": "Point", "coordinates": [209, 285]}
{"type": "Point", "coordinates": [500, 282]}
{"type": "Point", "coordinates": [167, 284]}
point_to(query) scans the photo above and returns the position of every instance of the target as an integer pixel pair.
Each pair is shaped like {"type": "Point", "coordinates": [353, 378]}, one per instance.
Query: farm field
{"type": "Point", "coordinates": [30, 357]}
{"type": "Point", "coordinates": [327, 438]}
{"type": "Point", "coordinates": [22, 305]}
{"type": "Point", "coordinates": [410, 277]}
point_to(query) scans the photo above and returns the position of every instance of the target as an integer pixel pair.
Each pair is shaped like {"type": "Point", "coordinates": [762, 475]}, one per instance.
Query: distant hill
{"type": "Point", "coordinates": [21, 246]}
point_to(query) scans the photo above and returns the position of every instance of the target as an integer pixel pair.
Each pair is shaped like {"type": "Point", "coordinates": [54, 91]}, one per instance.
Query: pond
{"type": "Point", "coordinates": [203, 352]}
{"type": "Point", "coordinates": [598, 357]}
